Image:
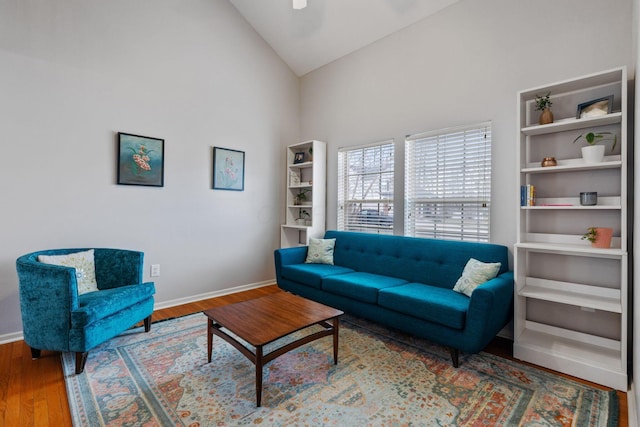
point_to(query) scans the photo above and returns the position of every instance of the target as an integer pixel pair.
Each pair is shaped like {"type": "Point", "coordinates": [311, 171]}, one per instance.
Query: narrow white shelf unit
{"type": "Point", "coordinates": [305, 216]}
{"type": "Point", "coordinates": [571, 300]}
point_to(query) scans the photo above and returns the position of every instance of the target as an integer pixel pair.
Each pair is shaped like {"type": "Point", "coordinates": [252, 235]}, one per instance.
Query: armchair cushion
{"type": "Point", "coordinates": [84, 265]}
{"type": "Point", "coordinates": [95, 306]}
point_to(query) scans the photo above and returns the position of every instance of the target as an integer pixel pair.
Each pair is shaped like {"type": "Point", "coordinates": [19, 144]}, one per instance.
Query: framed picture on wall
{"type": "Point", "coordinates": [228, 169]}
{"type": "Point", "coordinates": [140, 160]}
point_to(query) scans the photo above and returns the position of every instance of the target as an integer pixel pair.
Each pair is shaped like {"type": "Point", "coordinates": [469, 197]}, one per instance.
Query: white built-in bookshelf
{"type": "Point", "coordinates": [305, 216]}
{"type": "Point", "coordinates": [571, 308]}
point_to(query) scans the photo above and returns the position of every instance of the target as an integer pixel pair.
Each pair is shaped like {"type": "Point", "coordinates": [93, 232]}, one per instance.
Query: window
{"type": "Point", "coordinates": [448, 183]}
{"type": "Point", "coordinates": [365, 188]}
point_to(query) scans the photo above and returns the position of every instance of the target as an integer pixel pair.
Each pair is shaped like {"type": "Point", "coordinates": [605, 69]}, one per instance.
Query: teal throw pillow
{"type": "Point", "coordinates": [476, 273]}
{"type": "Point", "coordinates": [83, 263]}
{"type": "Point", "coordinates": [320, 251]}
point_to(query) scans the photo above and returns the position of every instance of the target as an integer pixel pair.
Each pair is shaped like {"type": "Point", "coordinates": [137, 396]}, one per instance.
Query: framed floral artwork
{"type": "Point", "coordinates": [140, 160]}
{"type": "Point", "coordinates": [228, 169]}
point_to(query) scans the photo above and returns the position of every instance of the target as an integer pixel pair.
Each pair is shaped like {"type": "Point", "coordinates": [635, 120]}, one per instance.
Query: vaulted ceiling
{"type": "Point", "coordinates": [326, 30]}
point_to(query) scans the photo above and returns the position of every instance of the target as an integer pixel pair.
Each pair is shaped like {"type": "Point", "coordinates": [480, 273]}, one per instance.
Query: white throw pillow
{"type": "Point", "coordinates": [83, 263]}
{"type": "Point", "coordinates": [474, 274]}
{"type": "Point", "coordinates": [320, 251]}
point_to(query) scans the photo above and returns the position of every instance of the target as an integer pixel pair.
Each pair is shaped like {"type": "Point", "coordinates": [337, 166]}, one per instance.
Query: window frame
{"type": "Point", "coordinates": [461, 171]}
{"type": "Point", "coordinates": [380, 207]}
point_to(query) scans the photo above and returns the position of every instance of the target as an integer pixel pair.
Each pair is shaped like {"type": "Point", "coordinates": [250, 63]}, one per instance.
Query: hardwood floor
{"type": "Point", "coordinates": [32, 392]}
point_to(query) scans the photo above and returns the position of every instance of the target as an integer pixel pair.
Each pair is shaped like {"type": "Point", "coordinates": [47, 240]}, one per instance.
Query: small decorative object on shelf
{"type": "Point", "coordinates": [294, 179]}
{"type": "Point", "coordinates": [301, 197]}
{"type": "Point", "coordinates": [596, 108]}
{"type": "Point", "coordinates": [543, 103]}
{"type": "Point", "coordinates": [600, 237]}
{"type": "Point", "coordinates": [594, 153]}
{"type": "Point", "coordinates": [298, 158]}
{"type": "Point", "coordinates": [549, 161]}
{"type": "Point", "coordinates": [589, 198]}
{"type": "Point", "coordinates": [527, 195]}
{"type": "Point", "coordinates": [310, 153]}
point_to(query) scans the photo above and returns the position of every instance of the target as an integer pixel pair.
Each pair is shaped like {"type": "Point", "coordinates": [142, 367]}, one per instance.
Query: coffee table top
{"type": "Point", "coordinates": [262, 320]}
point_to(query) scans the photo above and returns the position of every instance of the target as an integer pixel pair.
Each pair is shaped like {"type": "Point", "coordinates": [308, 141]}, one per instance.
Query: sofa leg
{"type": "Point", "coordinates": [35, 353]}
{"type": "Point", "coordinates": [455, 356]}
{"type": "Point", "coordinates": [81, 359]}
{"type": "Point", "coordinates": [147, 324]}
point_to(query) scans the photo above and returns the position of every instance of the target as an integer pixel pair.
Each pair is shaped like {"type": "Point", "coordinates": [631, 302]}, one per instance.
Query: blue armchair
{"type": "Point", "coordinates": [55, 317]}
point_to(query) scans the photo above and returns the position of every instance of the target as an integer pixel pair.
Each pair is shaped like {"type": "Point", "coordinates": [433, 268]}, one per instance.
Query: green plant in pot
{"type": "Point", "coordinates": [543, 103]}
{"type": "Point", "coordinates": [301, 197]}
{"type": "Point", "coordinates": [599, 237]}
{"type": "Point", "coordinates": [594, 152]}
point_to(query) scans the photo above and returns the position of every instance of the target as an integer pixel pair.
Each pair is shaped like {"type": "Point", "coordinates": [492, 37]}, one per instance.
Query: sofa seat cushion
{"type": "Point", "coordinates": [311, 274]}
{"type": "Point", "coordinates": [359, 285]}
{"type": "Point", "coordinates": [439, 305]}
{"type": "Point", "coordinates": [99, 305]}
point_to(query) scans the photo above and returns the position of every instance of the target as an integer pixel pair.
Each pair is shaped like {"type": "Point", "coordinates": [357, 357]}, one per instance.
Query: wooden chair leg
{"type": "Point", "coordinates": [81, 359]}
{"type": "Point", "coordinates": [35, 353]}
{"type": "Point", "coordinates": [455, 356]}
{"type": "Point", "coordinates": [147, 324]}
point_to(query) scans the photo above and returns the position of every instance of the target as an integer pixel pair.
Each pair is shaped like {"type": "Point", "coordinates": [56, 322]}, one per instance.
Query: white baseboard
{"type": "Point", "coordinates": [11, 337]}
{"type": "Point", "coordinates": [200, 297]}
{"type": "Point", "coordinates": [17, 336]}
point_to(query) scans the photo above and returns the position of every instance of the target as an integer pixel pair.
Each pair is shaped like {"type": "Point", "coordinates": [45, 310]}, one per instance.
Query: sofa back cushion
{"type": "Point", "coordinates": [430, 261]}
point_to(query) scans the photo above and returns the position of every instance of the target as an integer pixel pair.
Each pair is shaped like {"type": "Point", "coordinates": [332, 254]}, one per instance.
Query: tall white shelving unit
{"type": "Point", "coordinates": [571, 299]}
{"type": "Point", "coordinates": [305, 218]}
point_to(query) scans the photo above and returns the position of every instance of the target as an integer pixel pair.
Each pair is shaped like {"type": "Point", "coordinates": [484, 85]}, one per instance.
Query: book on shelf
{"type": "Point", "coordinates": [527, 195]}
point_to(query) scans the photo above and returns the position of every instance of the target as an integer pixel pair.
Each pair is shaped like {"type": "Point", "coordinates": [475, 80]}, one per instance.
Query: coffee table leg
{"type": "Point", "coordinates": [336, 329]}
{"type": "Point", "coordinates": [258, 374]}
{"type": "Point", "coordinates": [209, 340]}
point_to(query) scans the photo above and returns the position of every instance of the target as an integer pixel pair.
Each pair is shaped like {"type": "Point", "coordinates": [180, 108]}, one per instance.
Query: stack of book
{"type": "Point", "coordinates": [527, 195]}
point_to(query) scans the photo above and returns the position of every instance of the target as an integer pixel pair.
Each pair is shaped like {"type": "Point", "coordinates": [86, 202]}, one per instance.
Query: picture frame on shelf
{"type": "Point", "coordinates": [298, 157]}
{"type": "Point", "coordinates": [595, 108]}
{"type": "Point", "coordinates": [228, 169]}
{"type": "Point", "coordinates": [140, 160]}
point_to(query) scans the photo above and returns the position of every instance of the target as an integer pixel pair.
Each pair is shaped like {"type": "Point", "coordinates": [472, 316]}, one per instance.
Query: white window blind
{"type": "Point", "coordinates": [365, 188]}
{"type": "Point", "coordinates": [448, 183]}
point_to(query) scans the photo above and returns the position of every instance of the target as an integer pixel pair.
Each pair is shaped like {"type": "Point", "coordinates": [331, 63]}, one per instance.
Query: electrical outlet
{"type": "Point", "coordinates": [155, 270]}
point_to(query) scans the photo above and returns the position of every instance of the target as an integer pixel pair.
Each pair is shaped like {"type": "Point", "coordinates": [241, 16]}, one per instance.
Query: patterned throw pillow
{"type": "Point", "coordinates": [84, 265]}
{"type": "Point", "coordinates": [475, 273]}
{"type": "Point", "coordinates": [320, 251]}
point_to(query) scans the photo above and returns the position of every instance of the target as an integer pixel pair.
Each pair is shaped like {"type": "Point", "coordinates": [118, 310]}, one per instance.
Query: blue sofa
{"type": "Point", "coordinates": [55, 316]}
{"type": "Point", "coordinates": [406, 283]}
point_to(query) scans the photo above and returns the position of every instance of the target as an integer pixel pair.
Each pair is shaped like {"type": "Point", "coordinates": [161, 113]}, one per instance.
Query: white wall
{"type": "Point", "coordinates": [75, 72]}
{"type": "Point", "coordinates": [463, 65]}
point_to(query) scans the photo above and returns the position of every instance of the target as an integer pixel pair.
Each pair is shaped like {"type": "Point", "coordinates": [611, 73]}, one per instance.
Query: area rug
{"type": "Point", "coordinates": [383, 378]}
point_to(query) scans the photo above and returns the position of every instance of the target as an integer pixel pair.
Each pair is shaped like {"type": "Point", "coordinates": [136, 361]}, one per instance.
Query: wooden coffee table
{"type": "Point", "coordinates": [263, 320]}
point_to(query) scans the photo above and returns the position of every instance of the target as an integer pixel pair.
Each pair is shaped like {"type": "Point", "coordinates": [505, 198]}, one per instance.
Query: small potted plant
{"type": "Point", "coordinates": [301, 197]}
{"type": "Point", "coordinates": [543, 103]}
{"type": "Point", "coordinates": [593, 152]}
{"type": "Point", "coordinates": [303, 218]}
{"type": "Point", "coordinates": [600, 237]}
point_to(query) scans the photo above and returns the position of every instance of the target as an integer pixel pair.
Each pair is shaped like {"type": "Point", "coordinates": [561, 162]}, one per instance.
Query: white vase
{"type": "Point", "coordinates": [593, 153]}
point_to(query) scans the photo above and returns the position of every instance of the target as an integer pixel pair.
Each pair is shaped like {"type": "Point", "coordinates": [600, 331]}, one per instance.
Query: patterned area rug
{"type": "Point", "coordinates": [383, 378]}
